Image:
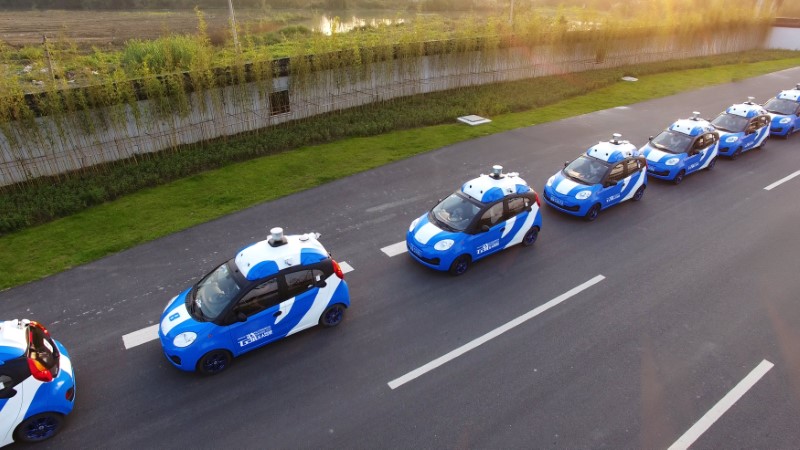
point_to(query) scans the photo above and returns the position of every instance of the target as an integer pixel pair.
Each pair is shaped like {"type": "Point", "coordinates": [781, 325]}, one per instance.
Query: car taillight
{"type": "Point", "coordinates": [536, 197]}
{"type": "Point", "coordinates": [39, 371]}
{"type": "Point", "coordinates": [337, 270]}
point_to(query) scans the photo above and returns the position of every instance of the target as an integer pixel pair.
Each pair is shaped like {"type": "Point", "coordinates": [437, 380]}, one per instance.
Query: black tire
{"type": "Point", "coordinates": [711, 163]}
{"type": "Point", "coordinates": [639, 193]}
{"type": "Point", "coordinates": [460, 265]}
{"type": "Point", "coordinates": [789, 133]}
{"type": "Point", "coordinates": [593, 212]}
{"type": "Point", "coordinates": [763, 144]}
{"type": "Point", "coordinates": [679, 177]}
{"type": "Point", "coordinates": [39, 427]}
{"type": "Point", "coordinates": [530, 237]}
{"type": "Point", "coordinates": [214, 362]}
{"type": "Point", "coordinates": [332, 316]}
{"type": "Point", "coordinates": [737, 153]}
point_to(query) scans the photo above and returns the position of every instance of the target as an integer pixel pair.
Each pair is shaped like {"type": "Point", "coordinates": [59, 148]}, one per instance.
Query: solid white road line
{"type": "Point", "coordinates": [346, 268]}
{"type": "Point", "coordinates": [395, 249]}
{"type": "Point", "coordinates": [140, 337]}
{"type": "Point", "coordinates": [150, 333]}
{"type": "Point", "coordinates": [721, 407]}
{"type": "Point", "coordinates": [397, 382]}
{"type": "Point", "coordinates": [781, 181]}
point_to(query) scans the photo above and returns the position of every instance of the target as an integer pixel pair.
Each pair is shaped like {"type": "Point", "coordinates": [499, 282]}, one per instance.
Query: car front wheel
{"type": "Point", "coordinates": [736, 153]}
{"type": "Point", "coordinates": [39, 427]}
{"type": "Point", "coordinates": [332, 316]}
{"type": "Point", "coordinates": [679, 177]}
{"type": "Point", "coordinates": [460, 265]}
{"type": "Point", "coordinates": [214, 362]}
{"type": "Point", "coordinates": [594, 211]}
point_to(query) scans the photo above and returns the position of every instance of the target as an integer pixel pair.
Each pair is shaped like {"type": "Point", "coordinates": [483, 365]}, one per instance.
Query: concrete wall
{"type": "Point", "coordinates": [787, 38]}
{"type": "Point", "coordinates": [52, 145]}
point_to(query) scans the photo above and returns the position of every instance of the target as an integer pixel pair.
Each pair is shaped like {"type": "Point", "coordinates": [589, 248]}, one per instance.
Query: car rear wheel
{"type": "Point", "coordinates": [594, 211]}
{"type": "Point", "coordinates": [639, 194]}
{"type": "Point", "coordinates": [39, 427]}
{"type": "Point", "coordinates": [736, 153]}
{"type": "Point", "coordinates": [530, 236]}
{"type": "Point", "coordinates": [711, 163]}
{"type": "Point", "coordinates": [679, 177]}
{"type": "Point", "coordinates": [332, 316]}
{"type": "Point", "coordinates": [214, 362]}
{"type": "Point", "coordinates": [460, 265]}
{"type": "Point", "coordinates": [763, 143]}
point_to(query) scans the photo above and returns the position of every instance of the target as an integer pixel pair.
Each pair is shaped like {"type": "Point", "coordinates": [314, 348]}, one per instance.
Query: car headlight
{"type": "Point", "coordinates": [550, 180]}
{"type": "Point", "coordinates": [413, 224]}
{"type": "Point", "coordinates": [184, 339]}
{"type": "Point", "coordinates": [583, 195]}
{"type": "Point", "coordinates": [731, 139]}
{"type": "Point", "coordinates": [169, 303]}
{"type": "Point", "coordinates": [785, 120]}
{"type": "Point", "coordinates": [443, 245]}
{"type": "Point", "coordinates": [672, 161]}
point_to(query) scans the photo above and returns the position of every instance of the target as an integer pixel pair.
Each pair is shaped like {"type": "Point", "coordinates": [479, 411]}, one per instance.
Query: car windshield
{"type": "Point", "coordinates": [672, 142]}
{"type": "Point", "coordinates": [214, 292]}
{"type": "Point", "coordinates": [455, 212]}
{"type": "Point", "coordinates": [781, 106]}
{"type": "Point", "coordinates": [730, 122]}
{"type": "Point", "coordinates": [586, 170]}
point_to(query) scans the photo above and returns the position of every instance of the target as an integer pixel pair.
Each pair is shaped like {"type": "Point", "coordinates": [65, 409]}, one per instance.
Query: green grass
{"type": "Point", "coordinates": [151, 213]}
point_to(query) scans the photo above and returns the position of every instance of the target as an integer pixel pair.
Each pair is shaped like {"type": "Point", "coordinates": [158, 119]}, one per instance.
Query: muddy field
{"type": "Point", "coordinates": [107, 28]}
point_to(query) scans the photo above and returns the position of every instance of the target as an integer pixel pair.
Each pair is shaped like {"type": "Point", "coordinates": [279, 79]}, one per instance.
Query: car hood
{"type": "Point", "coordinates": [427, 233]}
{"type": "Point", "coordinates": [560, 184]}
{"type": "Point", "coordinates": [654, 155]}
{"type": "Point", "coordinates": [176, 318]}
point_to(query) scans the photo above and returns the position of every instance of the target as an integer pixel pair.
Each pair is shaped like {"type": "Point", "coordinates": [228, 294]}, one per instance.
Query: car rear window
{"type": "Point", "coordinates": [41, 348]}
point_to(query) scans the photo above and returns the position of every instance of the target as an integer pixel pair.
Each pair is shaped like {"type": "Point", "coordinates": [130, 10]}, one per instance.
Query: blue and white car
{"type": "Point", "coordinates": [37, 385]}
{"type": "Point", "coordinates": [607, 174]}
{"type": "Point", "coordinates": [687, 146]}
{"type": "Point", "coordinates": [488, 214]}
{"type": "Point", "coordinates": [742, 127]}
{"type": "Point", "coordinates": [784, 109]}
{"type": "Point", "coordinates": [269, 290]}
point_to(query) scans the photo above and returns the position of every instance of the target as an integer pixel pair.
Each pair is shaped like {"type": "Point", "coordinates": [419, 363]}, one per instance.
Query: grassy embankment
{"type": "Point", "coordinates": [146, 215]}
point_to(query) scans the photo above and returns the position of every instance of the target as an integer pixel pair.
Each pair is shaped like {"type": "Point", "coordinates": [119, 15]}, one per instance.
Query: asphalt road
{"type": "Point", "coordinates": [699, 286]}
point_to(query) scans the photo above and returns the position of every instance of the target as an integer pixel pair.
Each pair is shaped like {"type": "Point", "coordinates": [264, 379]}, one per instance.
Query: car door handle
{"type": "Point", "coordinates": [277, 314]}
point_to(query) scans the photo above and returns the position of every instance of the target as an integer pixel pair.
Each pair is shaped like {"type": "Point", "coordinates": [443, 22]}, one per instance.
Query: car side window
{"type": "Point", "coordinates": [617, 173]}
{"type": "Point", "coordinates": [492, 216]}
{"type": "Point", "coordinates": [515, 206]}
{"type": "Point", "coordinates": [633, 166]}
{"type": "Point", "coordinates": [301, 281]}
{"type": "Point", "coordinates": [259, 298]}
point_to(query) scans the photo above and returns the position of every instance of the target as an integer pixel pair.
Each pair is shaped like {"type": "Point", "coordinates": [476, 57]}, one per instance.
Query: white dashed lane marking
{"type": "Point", "coordinates": [140, 337]}
{"type": "Point", "coordinates": [397, 382]}
{"type": "Point", "coordinates": [722, 406]}
{"type": "Point", "coordinates": [781, 181]}
{"type": "Point", "coordinates": [150, 333]}
{"type": "Point", "coordinates": [395, 249]}
{"type": "Point", "coordinates": [346, 268]}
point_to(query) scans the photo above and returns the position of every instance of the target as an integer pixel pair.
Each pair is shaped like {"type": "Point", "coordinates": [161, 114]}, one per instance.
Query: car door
{"type": "Point", "coordinates": [611, 191]}
{"type": "Point", "coordinates": [304, 305]}
{"type": "Point", "coordinates": [490, 228]}
{"type": "Point", "coordinates": [755, 132]}
{"type": "Point", "coordinates": [255, 317]}
{"type": "Point", "coordinates": [516, 216]}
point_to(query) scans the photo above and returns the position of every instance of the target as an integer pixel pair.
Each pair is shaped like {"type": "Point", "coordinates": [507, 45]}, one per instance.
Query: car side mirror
{"type": "Point", "coordinates": [241, 317]}
{"type": "Point", "coordinates": [7, 393]}
{"type": "Point", "coordinates": [566, 163]}
{"type": "Point", "coordinates": [650, 138]}
{"type": "Point", "coordinates": [484, 228]}
{"type": "Point", "coordinates": [321, 284]}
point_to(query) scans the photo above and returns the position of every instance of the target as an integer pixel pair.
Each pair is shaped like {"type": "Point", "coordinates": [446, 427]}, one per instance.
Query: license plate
{"type": "Point", "coordinates": [414, 249]}
{"type": "Point", "coordinates": [651, 169]}
{"type": "Point", "coordinates": [557, 201]}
